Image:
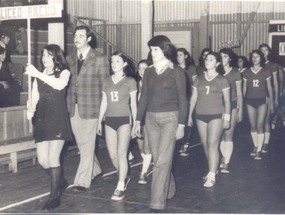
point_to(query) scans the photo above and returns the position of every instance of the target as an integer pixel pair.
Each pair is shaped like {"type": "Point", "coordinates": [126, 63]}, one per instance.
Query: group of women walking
{"type": "Point", "coordinates": [152, 105]}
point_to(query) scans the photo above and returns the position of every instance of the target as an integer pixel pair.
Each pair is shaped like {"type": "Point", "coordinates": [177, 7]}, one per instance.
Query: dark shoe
{"type": "Point", "coordinates": [225, 168]}
{"type": "Point", "coordinates": [155, 211]}
{"type": "Point", "coordinates": [52, 203]}
{"type": "Point", "coordinates": [62, 187]}
{"type": "Point", "coordinates": [79, 189]}
{"type": "Point", "coordinates": [118, 195]}
{"type": "Point", "coordinates": [264, 148]}
{"type": "Point", "coordinates": [96, 177]}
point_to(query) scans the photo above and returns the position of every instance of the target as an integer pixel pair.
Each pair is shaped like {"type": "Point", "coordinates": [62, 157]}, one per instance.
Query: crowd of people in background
{"type": "Point", "coordinates": [157, 103]}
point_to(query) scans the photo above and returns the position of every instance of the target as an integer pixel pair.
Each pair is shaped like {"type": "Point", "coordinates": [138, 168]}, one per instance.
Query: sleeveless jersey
{"type": "Point", "coordinates": [210, 94]}
{"type": "Point", "coordinates": [256, 83]}
{"type": "Point", "coordinates": [118, 96]}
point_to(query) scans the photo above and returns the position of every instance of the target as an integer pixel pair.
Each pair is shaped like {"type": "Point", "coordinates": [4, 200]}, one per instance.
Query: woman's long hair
{"type": "Point", "coordinates": [217, 55]}
{"type": "Point", "coordinates": [129, 69]}
{"type": "Point", "coordinates": [188, 60]}
{"type": "Point", "coordinates": [59, 60]}
{"type": "Point", "coordinates": [262, 58]}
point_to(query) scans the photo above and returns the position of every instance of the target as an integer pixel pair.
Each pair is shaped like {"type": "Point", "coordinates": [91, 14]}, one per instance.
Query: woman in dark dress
{"type": "Point", "coordinates": [51, 120]}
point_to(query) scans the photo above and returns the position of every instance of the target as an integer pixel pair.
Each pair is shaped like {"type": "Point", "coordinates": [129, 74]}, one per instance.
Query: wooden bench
{"type": "Point", "coordinates": [14, 151]}
{"type": "Point", "coordinates": [16, 137]}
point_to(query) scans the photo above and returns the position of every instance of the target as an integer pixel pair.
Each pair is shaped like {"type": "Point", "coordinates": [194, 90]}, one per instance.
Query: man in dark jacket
{"type": "Point", "coordinates": [88, 69]}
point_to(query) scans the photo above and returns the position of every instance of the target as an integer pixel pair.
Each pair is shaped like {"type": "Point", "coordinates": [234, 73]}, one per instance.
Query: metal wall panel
{"type": "Point", "coordinates": [225, 19]}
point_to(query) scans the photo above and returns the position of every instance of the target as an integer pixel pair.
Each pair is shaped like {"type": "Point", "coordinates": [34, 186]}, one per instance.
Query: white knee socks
{"type": "Point", "coordinates": [254, 138]}
{"type": "Point", "coordinates": [260, 141]}
{"type": "Point", "coordinates": [228, 151]}
{"type": "Point", "coordinates": [146, 162]}
{"type": "Point", "coordinates": [266, 137]}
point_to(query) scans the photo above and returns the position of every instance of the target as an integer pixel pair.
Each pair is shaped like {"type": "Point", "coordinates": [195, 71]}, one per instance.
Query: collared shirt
{"type": "Point", "coordinates": [84, 53]}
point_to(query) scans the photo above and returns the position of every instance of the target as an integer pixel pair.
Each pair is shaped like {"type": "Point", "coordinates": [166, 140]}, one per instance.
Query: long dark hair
{"type": "Point", "coordinates": [164, 43]}
{"type": "Point", "coordinates": [256, 51]}
{"type": "Point", "coordinates": [246, 63]}
{"type": "Point", "coordinates": [232, 56]}
{"type": "Point", "coordinates": [59, 60]}
{"type": "Point", "coordinates": [201, 60]}
{"type": "Point", "coordinates": [188, 60]}
{"type": "Point", "coordinates": [217, 55]}
{"type": "Point", "coordinates": [129, 69]}
{"type": "Point", "coordinates": [270, 56]}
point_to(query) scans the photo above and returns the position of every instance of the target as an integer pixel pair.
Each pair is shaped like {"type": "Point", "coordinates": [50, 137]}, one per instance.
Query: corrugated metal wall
{"type": "Point", "coordinates": [105, 9]}
{"type": "Point", "coordinates": [227, 19]}
{"type": "Point", "coordinates": [224, 25]}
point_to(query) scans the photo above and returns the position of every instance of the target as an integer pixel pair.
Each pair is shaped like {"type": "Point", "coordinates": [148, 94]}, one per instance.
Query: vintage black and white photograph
{"type": "Point", "coordinates": [142, 106]}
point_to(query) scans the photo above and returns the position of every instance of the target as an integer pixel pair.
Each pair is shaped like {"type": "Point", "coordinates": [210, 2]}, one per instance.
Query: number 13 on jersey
{"type": "Point", "coordinates": [114, 96]}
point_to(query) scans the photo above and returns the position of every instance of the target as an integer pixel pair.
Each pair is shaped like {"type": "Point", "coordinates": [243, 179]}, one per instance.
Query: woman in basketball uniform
{"type": "Point", "coordinates": [201, 67]}
{"type": "Point", "coordinates": [119, 107]}
{"type": "Point", "coordinates": [273, 68]}
{"type": "Point", "coordinates": [242, 63]}
{"type": "Point", "coordinates": [143, 141]}
{"type": "Point", "coordinates": [232, 74]}
{"type": "Point", "coordinates": [186, 62]}
{"type": "Point", "coordinates": [211, 97]}
{"type": "Point", "coordinates": [257, 83]}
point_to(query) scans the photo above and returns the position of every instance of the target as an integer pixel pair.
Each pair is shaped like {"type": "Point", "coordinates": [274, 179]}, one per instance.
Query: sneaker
{"type": "Point", "coordinates": [225, 168]}
{"type": "Point", "coordinates": [257, 156]}
{"type": "Point", "coordinates": [206, 176]}
{"type": "Point", "coordinates": [142, 179]}
{"type": "Point", "coordinates": [209, 182]}
{"type": "Point", "coordinates": [264, 148]}
{"type": "Point", "coordinates": [222, 162]}
{"type": "Point", "coordinates": [253, 153]}
{"type": "Point", "coordinates": [118, 195]}
{"type": "Point", "coordinates": [185, 150]}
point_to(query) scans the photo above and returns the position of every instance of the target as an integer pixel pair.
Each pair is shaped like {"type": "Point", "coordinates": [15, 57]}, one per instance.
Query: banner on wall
{"type": "Point", "coordinates": [277, 40]}
{"type": "Point", "coordinates": [31, 12]}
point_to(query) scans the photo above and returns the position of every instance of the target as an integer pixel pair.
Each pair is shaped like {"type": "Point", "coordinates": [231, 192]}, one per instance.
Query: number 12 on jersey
{"type": "Point", "coordinates": [255, 82]}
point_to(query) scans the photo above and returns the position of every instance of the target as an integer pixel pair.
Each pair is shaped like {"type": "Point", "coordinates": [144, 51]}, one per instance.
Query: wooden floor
{"type": "Point", "coordinates": [251, 187]}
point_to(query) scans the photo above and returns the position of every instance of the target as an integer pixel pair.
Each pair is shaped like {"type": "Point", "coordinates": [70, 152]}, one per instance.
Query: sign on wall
{"type": "Point", "coordinates": [31, 12]}
{"type": "Point", "coordinates": [277, 40]}
{"type": "Point", "coordinates": [230, 44]}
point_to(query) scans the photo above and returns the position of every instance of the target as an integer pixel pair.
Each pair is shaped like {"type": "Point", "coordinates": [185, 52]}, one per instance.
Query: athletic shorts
{"type": "Point", "coordinates": [255, 103]}
{"type": "Point", "coordinates": [116, 122]}
{"type": "Point", "coordinates": [209, 117]}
